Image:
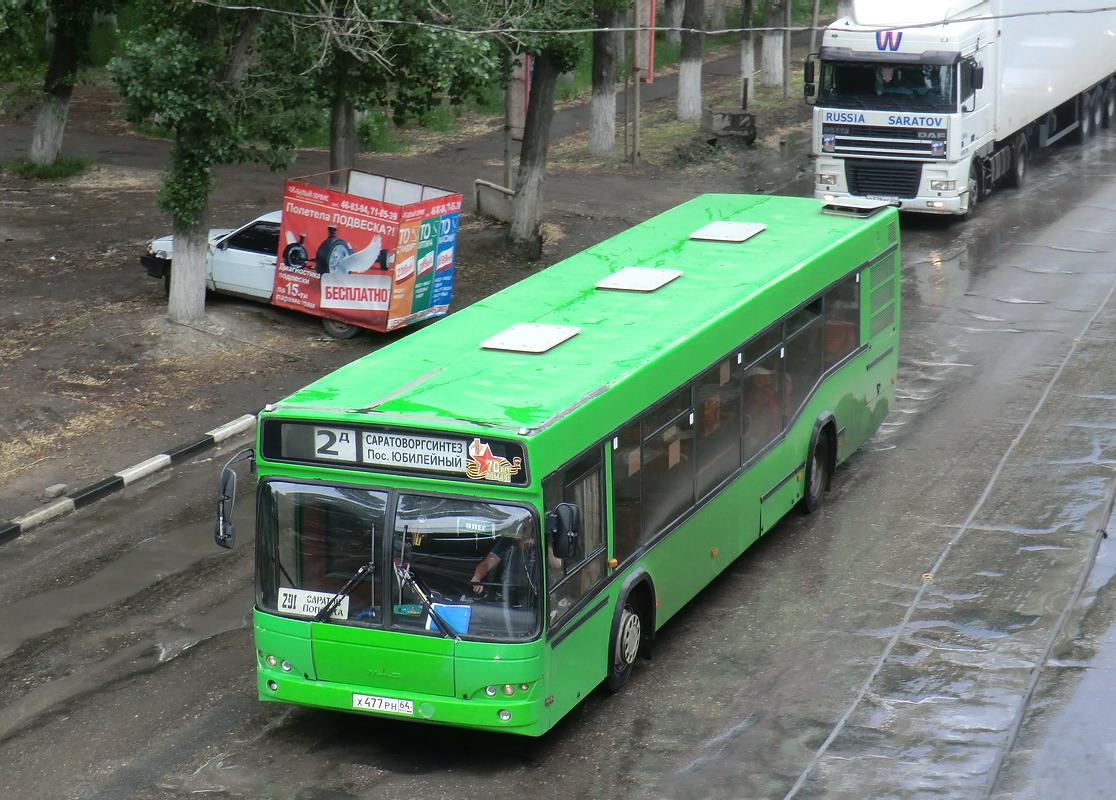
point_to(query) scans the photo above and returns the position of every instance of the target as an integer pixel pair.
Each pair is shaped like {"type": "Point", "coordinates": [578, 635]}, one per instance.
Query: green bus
{"type": "Point", "coordinates": [481, 522]}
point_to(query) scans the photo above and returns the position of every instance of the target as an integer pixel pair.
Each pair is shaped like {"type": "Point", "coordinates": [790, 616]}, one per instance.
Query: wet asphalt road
{"type": "Point", "coordinates": [942, 628]}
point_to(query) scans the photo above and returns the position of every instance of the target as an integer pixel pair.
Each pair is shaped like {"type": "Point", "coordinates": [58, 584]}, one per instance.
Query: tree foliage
{"type": "Point", "coordinates": [221, 80]}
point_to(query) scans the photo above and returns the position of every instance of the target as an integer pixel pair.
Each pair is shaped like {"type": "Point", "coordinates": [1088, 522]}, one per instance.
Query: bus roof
{"type": "Point", "coordinates": [442, 377]}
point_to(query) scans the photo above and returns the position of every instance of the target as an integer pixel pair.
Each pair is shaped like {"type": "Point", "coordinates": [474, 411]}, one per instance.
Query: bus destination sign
{"type": "Point", "coordinates": [474, 459]}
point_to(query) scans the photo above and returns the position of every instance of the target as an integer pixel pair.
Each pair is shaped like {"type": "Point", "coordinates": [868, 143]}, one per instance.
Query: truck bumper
{"type": "Point", "coordinates": [830, 184]}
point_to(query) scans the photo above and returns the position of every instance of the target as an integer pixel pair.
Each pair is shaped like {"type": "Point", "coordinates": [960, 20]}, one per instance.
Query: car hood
{"type": "Point", "coordinates": [163, 247]}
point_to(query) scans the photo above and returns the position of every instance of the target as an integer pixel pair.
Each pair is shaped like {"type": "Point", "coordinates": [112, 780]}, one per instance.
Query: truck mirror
{"type": "Point", "coordinates": [808, 73]}
{"type": "Point", "coordinates": [564, 528]}
{"type": "Point", "coordinates": [978, 77]}
{"type": "Point", "coordinates": [224, 534]}
{"type": "Point", "coordinates": [808, 90]}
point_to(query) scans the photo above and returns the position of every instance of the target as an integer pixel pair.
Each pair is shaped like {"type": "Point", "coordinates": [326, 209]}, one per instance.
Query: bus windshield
{"type": "Point", "coordinates": [475, 564]}
{"type": "Point", "coordinates": [890, 86]}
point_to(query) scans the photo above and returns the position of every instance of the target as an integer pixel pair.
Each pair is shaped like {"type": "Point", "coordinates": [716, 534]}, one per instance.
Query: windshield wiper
{"type": "Point", "coordinates": [329, 607]}
{"type": "Point", "coordinates": [404, 575]}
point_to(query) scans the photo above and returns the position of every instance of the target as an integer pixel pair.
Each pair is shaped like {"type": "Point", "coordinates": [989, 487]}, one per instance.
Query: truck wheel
{"type": "Point", "coordinates": [340, 330]}
{"type": "Point", "coordinates": [1109, 104]}
{"type": "Point", "coordinates": [976, 187]}
{"type": "Point", "coordinates": [1085, 129]}
{"type": "Point", "coordinates": [1017, 175]}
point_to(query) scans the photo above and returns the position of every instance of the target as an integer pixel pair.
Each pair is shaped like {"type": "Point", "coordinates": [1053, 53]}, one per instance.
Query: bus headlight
{"type": "Point", "coordinates": [943, 186]}
{"type": "Point", "coordinates": [825, 178]}
{"type": "Point", "coordinates": [504, 714]}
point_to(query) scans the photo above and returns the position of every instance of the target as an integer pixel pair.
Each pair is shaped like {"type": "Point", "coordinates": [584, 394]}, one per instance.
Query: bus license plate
{"type": "Point", "coordinates": [391, 705]}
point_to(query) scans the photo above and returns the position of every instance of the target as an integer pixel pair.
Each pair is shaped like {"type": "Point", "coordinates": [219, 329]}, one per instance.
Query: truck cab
{"type": "Point", "coordinates": [899, 112]}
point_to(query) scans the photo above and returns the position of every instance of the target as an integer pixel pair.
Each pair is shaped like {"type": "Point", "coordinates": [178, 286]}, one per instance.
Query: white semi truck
{"type": "Point", "coordinates": [932, 103]}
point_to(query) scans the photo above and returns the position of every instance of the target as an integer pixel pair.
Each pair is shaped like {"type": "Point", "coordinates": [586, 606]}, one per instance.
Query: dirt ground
{"type": "Point", "coordinates": [93, 378]}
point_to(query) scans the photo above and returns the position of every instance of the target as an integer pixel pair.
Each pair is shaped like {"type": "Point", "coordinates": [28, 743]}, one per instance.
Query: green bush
{"type": "Point", "coordinates": [62, 168]}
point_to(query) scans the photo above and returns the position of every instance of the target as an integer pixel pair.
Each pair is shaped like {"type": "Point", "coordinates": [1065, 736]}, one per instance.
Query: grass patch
{"type": "Point", "coordinates": [62, 168]}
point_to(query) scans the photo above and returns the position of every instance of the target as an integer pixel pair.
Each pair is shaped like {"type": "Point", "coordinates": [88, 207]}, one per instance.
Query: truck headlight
{"type": "Point", "coordinates": [943, 186]}
{"type": "Point", "coordinates": [825, 178]}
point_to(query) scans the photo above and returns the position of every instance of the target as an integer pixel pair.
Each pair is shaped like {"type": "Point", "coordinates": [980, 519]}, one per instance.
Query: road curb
{"type": "Point", "coordinates": [125, 477]}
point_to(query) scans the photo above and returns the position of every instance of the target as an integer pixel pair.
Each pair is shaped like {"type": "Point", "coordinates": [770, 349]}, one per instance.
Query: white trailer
{"type": "Point", "coordinates": [932, 103]}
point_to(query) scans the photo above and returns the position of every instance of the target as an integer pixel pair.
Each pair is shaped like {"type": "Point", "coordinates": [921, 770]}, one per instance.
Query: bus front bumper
{"type": "Point", "coordinates": [523, 715]}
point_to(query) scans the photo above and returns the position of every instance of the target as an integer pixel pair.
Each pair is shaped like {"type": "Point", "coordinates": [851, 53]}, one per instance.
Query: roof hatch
{"type": "Point", "coordinates": [638, 279]}
{"type": "Point", "coordinates": [725, 231]}
{"type": "Point", "coordinates": [530, 337]}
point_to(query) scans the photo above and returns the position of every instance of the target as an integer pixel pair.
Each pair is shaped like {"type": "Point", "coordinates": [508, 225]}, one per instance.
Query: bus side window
{"type": "Point", "coordinates": [842, 321]}
{"type": "Point", "coordinates": [717, 403]}
{"type": "Point", "coordinates": [581, 483]}
{"type": "Point", "coordinates": [667, 491]}
{"type": "Point", "coordinates": [627, 474]}
{"type": "Point", "coordinates": [763, 403]}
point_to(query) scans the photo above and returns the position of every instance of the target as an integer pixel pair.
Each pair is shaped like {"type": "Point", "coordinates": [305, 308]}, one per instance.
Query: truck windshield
{"type": "Point", "coordinates": [890, 86]}
{"type": "Point", "coordinates": [476, 563]}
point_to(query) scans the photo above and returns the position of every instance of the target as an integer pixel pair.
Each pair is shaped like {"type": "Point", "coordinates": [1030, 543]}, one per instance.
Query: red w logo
{"type": "Point", "coordinates": [888, 40]}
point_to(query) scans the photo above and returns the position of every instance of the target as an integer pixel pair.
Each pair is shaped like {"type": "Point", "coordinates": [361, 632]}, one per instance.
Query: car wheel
{"type": "Point", "coordinates": [340, 330]}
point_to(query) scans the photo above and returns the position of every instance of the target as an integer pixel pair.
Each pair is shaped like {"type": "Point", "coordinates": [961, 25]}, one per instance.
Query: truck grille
{"type": "Point", "coordinates": [872, 140]}
{"type": "Point", "coordinates": [883, 178]}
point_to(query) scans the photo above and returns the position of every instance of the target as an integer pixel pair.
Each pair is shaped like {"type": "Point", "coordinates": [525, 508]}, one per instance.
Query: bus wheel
{"type": "Point", "coordinates": [624, 647]}
{"type": "Point", "coordinates": [817, 475]}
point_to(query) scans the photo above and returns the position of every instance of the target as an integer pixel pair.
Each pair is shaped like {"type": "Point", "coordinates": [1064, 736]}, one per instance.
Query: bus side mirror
{"type": "Point", "coordinates": [564, 527]}
{"type": "Point", "coordinates": [224, 534]}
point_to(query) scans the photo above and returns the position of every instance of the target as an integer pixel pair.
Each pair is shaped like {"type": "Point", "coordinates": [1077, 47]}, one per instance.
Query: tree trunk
{"type": "Point", "coordinates": [186, 304]}
{"type": "Point", "coordinates": [602, 102]}
{"type": "Point", "coordinates": [717, 16]}
{"type": "Point", "coordinates": [50, 127]}
{"type": "Point", "coordinates": [771, 60]}
{"type": "Point", "coordinates": [747, 56]}
{"type": "Point", "coordinates": [524, 234]}
{"type": "Point", "coordinates": [672, 13]}
{"type": "Point", "coordinates": [71, 30]}
{"type": "Point", "coordinates": [689, 68]}
{"type": "Point", "coordinates": [342, 140]}
{"type": "Point", "coordinates": [190, 166]}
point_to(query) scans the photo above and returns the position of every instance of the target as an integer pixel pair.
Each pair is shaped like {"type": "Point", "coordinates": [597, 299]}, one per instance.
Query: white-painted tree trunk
{"type": "Point", "coordinates": [748, 69]}
{"type": "Point", "coordinates": [186, 304]}
{"type": "Point", "coordinates": [602, 121]}
{"type": "Point", "coordinates": [46, 142]}
{"type": "Point", "coordinates": [771, 59]}
{"type": "Point", "coordinates": [689, 90]}
{"type": "Point", "coordinates": [689, 68]}
{"type": "Point", "coordinates": [672, 13]}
